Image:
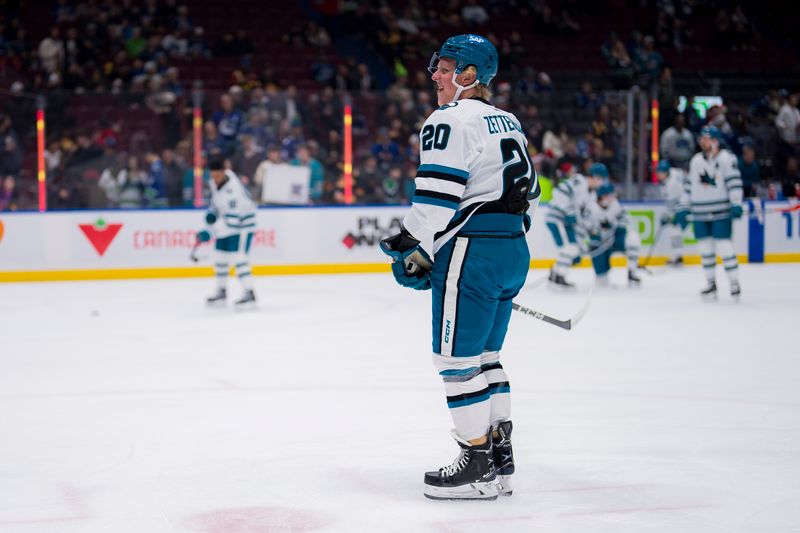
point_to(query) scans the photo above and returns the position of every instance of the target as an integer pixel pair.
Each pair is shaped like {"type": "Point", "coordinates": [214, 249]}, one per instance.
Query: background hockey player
{"type": "Point", "coordinates": [713, 195]}
{"type": "Point", "coordinates": [672, 181]}
{"type": "Point", "coordinates": [566, 216]}
{"type": "Point", "coordinates": [232, 218]}
{"type": "Point", "coordinates": [464, 238]}
{"type": "Point", "coordinates": [609, 234]}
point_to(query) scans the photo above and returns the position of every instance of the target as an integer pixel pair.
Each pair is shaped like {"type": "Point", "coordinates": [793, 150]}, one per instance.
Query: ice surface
{"type": "Point", "coordinates": [127, 406]}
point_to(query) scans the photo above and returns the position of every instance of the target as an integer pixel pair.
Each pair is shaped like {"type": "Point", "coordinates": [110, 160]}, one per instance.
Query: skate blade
{"type": "Point", "coordinates": [219, 304]}
{"type": "Point", "coordinates": [504, 486]}
{"type": "Point", "coordinates": [471, 491]}
{"type": "Point", "coordinates": [245, 306]}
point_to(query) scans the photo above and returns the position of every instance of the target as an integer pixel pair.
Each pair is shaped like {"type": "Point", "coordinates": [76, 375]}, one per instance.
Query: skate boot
{"type": "Point", "coordinates": [710, 292]}
{"type": "Point", "coordinates": [248, 298]}
{"type": "Point", "coordinates": [559, 281]}
{"type": "Point", "coordinates": [633, 279]}
{"type": "Point", "coordinates": [675, 261]}
{"type": "Point", "coordinates": [736, 290]}
{"type": "Point", "coordinates": [471, 476]}
{"type": "Point", "coordinates": [503, 457]}
{"type": "Point", "coordinates": [217, 298]}
{"type": "Point", "coordinates": [601, 280]}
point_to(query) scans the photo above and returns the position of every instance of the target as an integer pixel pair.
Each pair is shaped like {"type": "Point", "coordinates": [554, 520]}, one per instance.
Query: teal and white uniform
{"type": "Point", "coordinates": [609, 233]}
{"type": "Point", "coordinates": [566, 217]}
{"type": "Point", "coordinates": [672, 191]}
{"type": "Point", "coordinates": [232, 217]}
{"type": "Point", "coordinates": [473, 156]}
{"type": "Point", "coordinates": [711, 190]}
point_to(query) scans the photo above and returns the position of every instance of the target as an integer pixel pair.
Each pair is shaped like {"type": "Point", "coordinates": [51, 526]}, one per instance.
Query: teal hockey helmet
{"type": "Point", "coordinates": [711, 131]}
{"type": "Point", "coordinates": [663, 166]}
{"type": "Point", "coordinates": [605, 189]}
{"type": "Point", "coordinates": [469, 49]}
{"type": "Point", "coordinates": [598, 169]}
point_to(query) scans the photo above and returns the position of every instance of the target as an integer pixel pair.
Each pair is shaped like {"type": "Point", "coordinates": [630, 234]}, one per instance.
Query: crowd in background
{"type": "Point", "coordinates": [130, 49]}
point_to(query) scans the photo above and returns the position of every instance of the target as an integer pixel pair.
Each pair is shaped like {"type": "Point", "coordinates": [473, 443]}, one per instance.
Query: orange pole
{"type": "Point", "coordinates": [42, 170]}
{"type": "Point", "coordinates": [197, 124]}
{"type": "Point", "coordinates": [654, 149]}
{"type": "Point", "coordinates": [348, 154]}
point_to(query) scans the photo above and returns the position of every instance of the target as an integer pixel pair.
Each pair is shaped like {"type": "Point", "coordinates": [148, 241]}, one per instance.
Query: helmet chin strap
{"type": "Point", "coordinates": [461, 88]}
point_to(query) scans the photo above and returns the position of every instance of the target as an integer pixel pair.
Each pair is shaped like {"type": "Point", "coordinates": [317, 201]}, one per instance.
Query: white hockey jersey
{"type": "Point", "coordinates": [673, 189]}
{"type": "Point", "coordinates": [571, 197]}
{"type": "Point", "coordinates": [603, 223]}
{"type": "Point", "coordinates": [712, 186]}
{"type": "Point", "coordinates": [233, 206]}
{"type": "Point", "coordinates": [471, 153]}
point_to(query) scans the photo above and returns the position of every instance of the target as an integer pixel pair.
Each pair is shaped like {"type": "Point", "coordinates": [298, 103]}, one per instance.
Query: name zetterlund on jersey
{"type": "Point", "coordinates": [501, 124]}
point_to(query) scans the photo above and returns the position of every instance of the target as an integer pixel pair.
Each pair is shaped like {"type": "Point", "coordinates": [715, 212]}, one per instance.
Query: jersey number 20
{"type": "Point", "coordinates": [435, 138]}
{"type": "Point", "coordinates": [510, 148]}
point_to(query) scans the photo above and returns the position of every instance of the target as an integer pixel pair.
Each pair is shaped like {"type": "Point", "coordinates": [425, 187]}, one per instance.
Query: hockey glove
{"type": "Point", "coordinates": [211, 217]}
{"type": "Point", "coordinates": [411, 266]}
{"type": "Point", "coordinates": [666, 218]}
{"type": "Point", "coordinates": [682, 218]}
{"type": "Point", "coordinates": [736, 211]}
{"type": "Point", "coordinates": [203, 236]}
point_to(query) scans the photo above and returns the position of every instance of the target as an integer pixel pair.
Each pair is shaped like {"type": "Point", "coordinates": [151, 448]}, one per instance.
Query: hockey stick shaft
{"type": "Point", "coordinates": [567, 324]}
{"type": "Point", "coordinates": [193, 253]}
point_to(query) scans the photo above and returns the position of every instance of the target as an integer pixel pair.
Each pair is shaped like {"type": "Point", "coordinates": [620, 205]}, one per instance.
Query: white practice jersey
{"type": "Point", "coordinates": [604, 222]}
{"type": "Point", "coordinates": [673, 189]}
{"type": "Point", "coordinates": [470, 153]}
{"type": "Point", "coordinates": [233, 206]}
{"type": "Point", "coordinates": [712, 186]}
{"type": "Point", "coordinates": [571, 197]}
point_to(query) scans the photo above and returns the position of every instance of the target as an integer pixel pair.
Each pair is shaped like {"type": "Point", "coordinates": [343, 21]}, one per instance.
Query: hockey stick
{"type": "Point", "coordinates": [193, 253]}
{"type": "Point", "coordinates": [567, 324]}
{"type": "Point", "coordinates": [652, 249]}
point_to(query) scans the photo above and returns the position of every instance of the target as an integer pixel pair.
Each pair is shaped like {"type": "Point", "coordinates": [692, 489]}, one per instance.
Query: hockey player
{"type": "Point", "coordinates": [672, 180]}
{"type": "Point", "coordinates": [232, 218]}
{"type": "Point", "coordinates": [566, 216]}
{"type": "Point", "coordinates": [713, 195]}
{"type": "Point", "coordinates": [609, 234]}
{"type": "Point", "coordinates": [464, 238]}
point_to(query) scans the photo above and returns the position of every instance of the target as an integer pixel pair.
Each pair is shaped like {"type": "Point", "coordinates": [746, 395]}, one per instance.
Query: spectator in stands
{"type": "Point", "coordinates": [248, 156]}
{"type": "Point", "coordinates": [751, 173]}
{"type": "Point", "coordinates": [790, 178]}
{"type": "Point", "coordinates": [173, 177]}
{"type": "Point", "coordinates": [20, 109]}
{"type": "Point", "coordinates": [228, 122]}
{"type": "Point", "coordinates": [474, 14]}
{"type": "Point", "coordinates": [267, 167]}
{"type": "Point", "coordinates": [648, 62]}
{"type": "Point", "coordinates": [677, 144]}
{"type": "Point", "coordinates": [155, 184]}
{"type": "Point", "coordinates": [317, 176]}
{"type": "Point", "coordinates": [587, 98]}
{"type": "Point", "coordinates": [385, 150]}
{"type": "Point", "coordinates": [619, 62]}
{"type": "Point", "coordinates": [788, 123]}
{"type": "Point", "coordinates": [10, 150]}
{"type": "Point", "coordinates": [368, 182]}
{"type": "Point", "coordinates": [126, 189]}
{"type": "Point", "coordinates": [51, 52]}
{"type": "Point", "coordinates": [9, 196]}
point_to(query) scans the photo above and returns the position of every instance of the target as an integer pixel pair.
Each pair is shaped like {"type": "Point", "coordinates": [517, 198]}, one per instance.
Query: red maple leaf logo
{"type": "Point", "coordinates": [100, 234]}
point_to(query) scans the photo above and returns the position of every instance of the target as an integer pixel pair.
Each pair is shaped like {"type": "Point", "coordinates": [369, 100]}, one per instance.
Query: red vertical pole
{"type": "Point", "coordinates": [654, 149]}
{"type": "Point", "coordinates": [197, 125]}
{"type": "Point", "coordinates": [42, 169]}
{"type": "Point", "coordinates": [348, 152]}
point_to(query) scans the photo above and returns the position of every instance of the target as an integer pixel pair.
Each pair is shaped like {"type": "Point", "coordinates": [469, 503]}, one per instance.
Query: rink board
{"type": "Point", "coordinates": [116, 244]}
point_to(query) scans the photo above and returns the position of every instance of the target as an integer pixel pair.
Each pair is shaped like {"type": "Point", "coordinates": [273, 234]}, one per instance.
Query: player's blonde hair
{"type": "Point", "coordinates": [481, 90]}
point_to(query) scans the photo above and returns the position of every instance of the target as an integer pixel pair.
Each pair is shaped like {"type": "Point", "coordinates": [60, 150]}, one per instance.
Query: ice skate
{"type": "Point", "coordinates": [675, 262]}
{"type": "Point", "coordinates": [248, 299]}
{"type": "Point", "coordinates": [633, 279]}
{"type": "Point", "coordinates": [559, 281]}
{"type": "Point", "coordinates": [736, 290]}
{"type": "Point", "coordinates": [601, 280]}
{"type": "Point", "coordinates": [503, 457]}
{"type": "Point", "coordinates": [710, 292]}
{"type": "Point", "coordinates": [472, 475]}
{"type": "Point", "coordinates": [218, 298]}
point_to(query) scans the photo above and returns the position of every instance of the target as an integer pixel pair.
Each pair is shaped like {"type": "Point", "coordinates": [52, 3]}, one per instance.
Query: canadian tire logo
{"type": "Point", "coordinates": [100, 234]}
{"type": "Point", "coordinates": [2, 230]}
{"type": "Point", "coordinates": [370, 230]}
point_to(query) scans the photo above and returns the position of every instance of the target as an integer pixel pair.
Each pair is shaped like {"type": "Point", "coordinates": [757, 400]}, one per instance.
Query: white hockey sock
{"type": "Point", "coordinates": [566, 254]}
{"type": "Point", "coordinates": [467, 394]}
{"type": "Point", "coordinates": [708, 257]}
{"type": "Point", "coordinates": [729, 259]}
{"type": "Point", "coordinates": [675, 242]}
{"type": "Point", "coordinates": [245, 275]}
{"type": "Point", "coordinates": [221, 272]}
{"type": "Point", "coordinates": [499, 388]}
